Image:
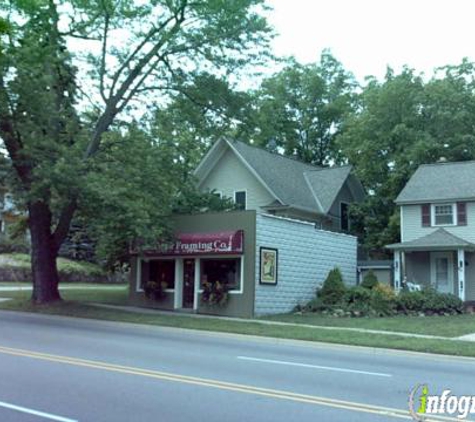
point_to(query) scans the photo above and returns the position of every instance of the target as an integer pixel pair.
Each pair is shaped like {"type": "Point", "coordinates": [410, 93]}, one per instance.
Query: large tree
{"type": "Point", "coordinates": [301, 108]}
{"type": "Point", "coordinates": [402, 122]}
{"type": "Point", "coordinates": [134, 53]}
{"type": "Point", "coordinates": [199, 114]}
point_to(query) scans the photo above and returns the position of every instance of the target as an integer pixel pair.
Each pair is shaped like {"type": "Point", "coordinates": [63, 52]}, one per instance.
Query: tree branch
{"type": "Point", "coordinates": [152, 32]}
{"type": "Point", "coordinates": [112, 108]}
{"type": "Point", "coordinates": [64, 222]}
{"type": "Point", "coordinates": [103, 55]}
{"type": "Point", "coordinates": [12, 138]}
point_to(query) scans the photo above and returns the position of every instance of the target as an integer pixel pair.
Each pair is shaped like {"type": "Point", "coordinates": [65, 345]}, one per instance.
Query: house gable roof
{"type": "Point", "coordinates": [326, 183]}
{"type": "Point", "coordinates": [440, 182]}
{"type": "Point", "coordinates": [291, 182]}
{"type": "Point", "coordinates": [440, 239]}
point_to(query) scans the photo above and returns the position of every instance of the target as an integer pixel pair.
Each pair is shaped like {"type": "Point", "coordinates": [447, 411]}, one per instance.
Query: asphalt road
{"type": "Point", "coordinates": [65, 369]}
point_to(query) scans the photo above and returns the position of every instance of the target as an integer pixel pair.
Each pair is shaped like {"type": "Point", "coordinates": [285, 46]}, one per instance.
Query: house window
{"type": "Point", "coordinates": [159, 270]}
{"type": "Point", "coordinates": [226, 271]}
{"type": "Point", "coordinates": [240, 199]}
{"type": "Point", "coordinates": [217, 193]}
{"type": "Point", "coordinates": [443, 215]}
{"type": "Point", "coordinates": [344, 217]}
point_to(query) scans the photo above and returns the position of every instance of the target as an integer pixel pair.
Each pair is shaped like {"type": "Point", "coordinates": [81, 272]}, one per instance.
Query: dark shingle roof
{"type": "Point", "coordinates": [326, 183]}
{"type": "Point", "coordinates": [284, 176]}
{"type": "Point", "coordinates": [438, 240]}
{"type": "Point", "coordinates": [295, 183]}
{"type": "Point", "coordinates": [440, 182]}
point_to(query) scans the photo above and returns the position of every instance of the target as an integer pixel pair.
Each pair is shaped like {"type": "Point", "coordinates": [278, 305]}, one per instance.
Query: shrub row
{"type": "Point", "coordinates": [372, 298]}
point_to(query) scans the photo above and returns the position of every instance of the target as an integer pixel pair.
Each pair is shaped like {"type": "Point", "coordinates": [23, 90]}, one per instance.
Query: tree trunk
{"type": "Point", "coordinates": [44, 252]}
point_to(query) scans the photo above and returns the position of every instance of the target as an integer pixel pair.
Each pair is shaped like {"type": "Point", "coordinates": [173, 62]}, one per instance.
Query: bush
{"type": "Point", "coordinates": [370, 280]}
{"type": "Point", "coordinates": [333, 288]}
{"type": "Point", "coordinates": [429, 302]}
{"type": "Point", "coordinates": [18, 267]}
{"type": "Point", "coordinates": [8, 245]}
{"type": "Point", "coordinates": [357, 300]}
{"type": "Point", "coordinates": [382, 303]}
{"type": "Point", "coordinates": [315, 305]}
{"type": "Point", "coordinates": [381, 300]}
{"type": "Point", "coordinates": [385, 290]}
{"type": "Point", "coordinates": [360, 301]}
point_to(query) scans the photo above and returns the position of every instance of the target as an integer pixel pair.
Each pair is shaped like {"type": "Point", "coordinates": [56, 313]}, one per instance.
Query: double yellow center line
{"type": "Point", "coordinates": [210, 383]}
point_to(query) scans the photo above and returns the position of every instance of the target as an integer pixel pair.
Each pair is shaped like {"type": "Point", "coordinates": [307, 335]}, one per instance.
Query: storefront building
{"type": "Point", "coordinates": [266, 264]}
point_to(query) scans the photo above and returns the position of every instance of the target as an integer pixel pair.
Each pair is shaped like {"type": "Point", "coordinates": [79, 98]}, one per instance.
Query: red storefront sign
{"type": "Point", "coordinates": [226, 242]}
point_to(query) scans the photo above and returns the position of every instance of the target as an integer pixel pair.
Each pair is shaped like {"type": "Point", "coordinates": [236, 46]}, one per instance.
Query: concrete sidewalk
{"type": "Point", "coordinates": [138, 310]}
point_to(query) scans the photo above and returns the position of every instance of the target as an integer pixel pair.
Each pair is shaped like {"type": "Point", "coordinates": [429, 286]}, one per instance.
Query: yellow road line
{"type": "Point", "coordinates": [248, 389]}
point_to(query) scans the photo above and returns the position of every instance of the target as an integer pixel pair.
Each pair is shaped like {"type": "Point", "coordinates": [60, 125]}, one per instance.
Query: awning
{"type": "Point", "coordinates": [217, 243]}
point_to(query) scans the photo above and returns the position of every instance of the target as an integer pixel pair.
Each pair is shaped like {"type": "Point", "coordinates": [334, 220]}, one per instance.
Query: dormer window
{"type": "Point", "coordinates": [444, 215]}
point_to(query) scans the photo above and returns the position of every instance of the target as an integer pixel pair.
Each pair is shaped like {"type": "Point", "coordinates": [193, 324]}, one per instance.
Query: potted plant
{"type": "Point", "coordinates": [215, 294]}
{"type": "Point", "coordinates": [155, 289]}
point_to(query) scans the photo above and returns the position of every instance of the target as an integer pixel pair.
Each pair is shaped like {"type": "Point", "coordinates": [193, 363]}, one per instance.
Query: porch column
{"type": "Point", "coordinates": [461, 273]}
{"type": "Point", "coordinates": [197, 283]}
{"type": "Point", "coordinates": [178, 297]}
{"type": "Point", "coordinates": [397, 270]}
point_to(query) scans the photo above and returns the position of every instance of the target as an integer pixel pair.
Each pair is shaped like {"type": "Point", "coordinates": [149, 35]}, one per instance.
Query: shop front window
{"type": "Point", "coordinates": [159, 270]}
{"type": "Point", "coordinates": [226, 271]}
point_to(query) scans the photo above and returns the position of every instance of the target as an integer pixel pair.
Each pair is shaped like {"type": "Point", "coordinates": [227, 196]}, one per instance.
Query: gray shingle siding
{"type": "Point", "coordinates": [306, 256]}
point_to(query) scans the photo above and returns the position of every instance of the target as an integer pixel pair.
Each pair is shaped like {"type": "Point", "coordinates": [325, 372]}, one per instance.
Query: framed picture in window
{"type": "Point", "coordinates": [268, 266]}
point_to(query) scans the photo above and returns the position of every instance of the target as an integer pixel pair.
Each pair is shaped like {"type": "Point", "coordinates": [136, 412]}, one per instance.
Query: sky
{"type": "Point", "coordinates": [366, 36]}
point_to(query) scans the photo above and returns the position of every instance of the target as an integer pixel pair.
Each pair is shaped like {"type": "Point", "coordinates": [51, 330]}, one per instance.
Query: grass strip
{"type": "Point", "coordinates": [81, 310]}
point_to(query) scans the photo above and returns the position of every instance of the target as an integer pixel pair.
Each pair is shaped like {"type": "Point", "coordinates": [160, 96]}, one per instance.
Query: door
{"type": "Point", "coordinates": [442, 271]}
{"type": "Point", "coordinates": [188, 283]}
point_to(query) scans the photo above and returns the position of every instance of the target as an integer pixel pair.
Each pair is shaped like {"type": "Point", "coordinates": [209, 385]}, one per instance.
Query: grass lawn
{"type": "Point", "coordinates": [75, 305]}
{"type": "Point", "coordinates": [113, 294]}
{"type": "Point", "coordinates": [65, 266]}
{"type": "Point", "coordinates": [445, 326]}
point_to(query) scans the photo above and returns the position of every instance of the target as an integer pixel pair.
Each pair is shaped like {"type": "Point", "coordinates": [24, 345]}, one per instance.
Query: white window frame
{"type": "Point", "coordinates": [237, 191]}
{"type": "Point", "coordinates": [218, 193]}
{"type": "Point", "coordinates": [454, 214]}
{"type": "Point", "coordinates": [139, 273]}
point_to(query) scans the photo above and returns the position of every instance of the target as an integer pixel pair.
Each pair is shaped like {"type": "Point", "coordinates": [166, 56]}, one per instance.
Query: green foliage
{"type": "Point", "coordinates": [370, 280]}
{"type": "Point", "coordinates": [127, 194]}
{"type": "Point", "coordinates": [67, 159]}
{"type": "Point", "coordinates": [357, 300]}
{"type": "Point", "coordinates": [302, 108]}
{"type": "Point", "coordinates": [155, 290]}
{"type": "Point", "coordinates": [200, 113]}
{"type": "Point", "coordinates": [333, 288]}
{"type": "Point", "coordinates": [429, 301]}
{"type": "Point", "coordinates": [214, 294]}
{"type": "Point", "coordinates": [65, 266]}
{"type": "Point", "coordinates": [403, 122]}
{"type": "Point", "coordinates": [9, 244]}
{"type": "Point", "coordinates": [385, 290]}
{"type": "Point", "coordinates": [380, 301]}
{"type": "Point", "coordinates": [190, 200]}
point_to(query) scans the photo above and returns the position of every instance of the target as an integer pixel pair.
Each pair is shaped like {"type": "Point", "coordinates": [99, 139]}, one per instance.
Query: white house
{"type": "Point", "coordinates": [437, 247]}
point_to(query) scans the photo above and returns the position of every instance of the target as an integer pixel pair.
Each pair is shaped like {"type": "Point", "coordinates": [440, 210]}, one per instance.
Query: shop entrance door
{"type": "Point", "coordinates": [188, 283]}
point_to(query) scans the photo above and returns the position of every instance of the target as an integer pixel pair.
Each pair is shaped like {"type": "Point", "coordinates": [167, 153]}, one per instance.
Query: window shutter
{"type": "Point", "coordinates": [425, 208]}
{"type": "Point", "coordinates": [461, 213]}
